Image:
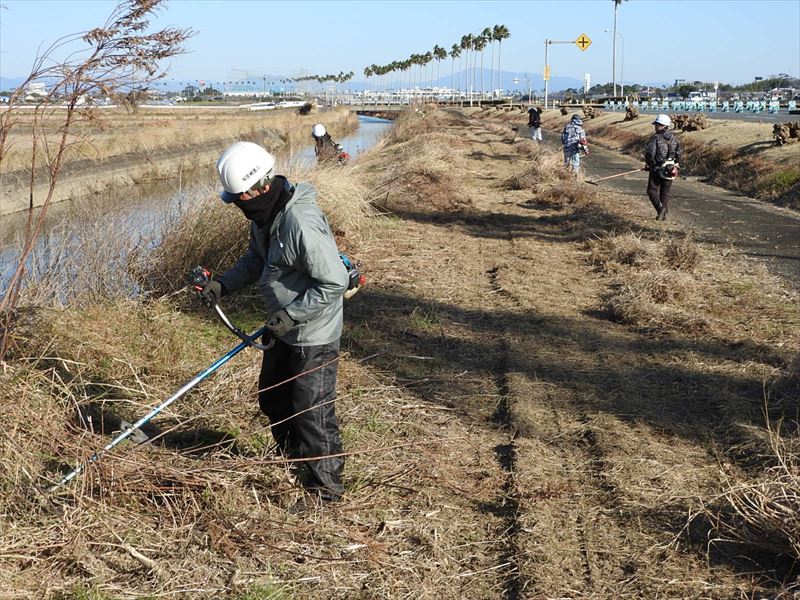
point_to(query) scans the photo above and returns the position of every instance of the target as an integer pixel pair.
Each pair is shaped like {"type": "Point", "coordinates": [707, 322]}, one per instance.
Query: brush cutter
{"type": "Point", "coordinates": [200, 277]}
{"type": "Point", "coordinates": [133, 430]}
{"type": "Point", "coordinates": [594, 181]}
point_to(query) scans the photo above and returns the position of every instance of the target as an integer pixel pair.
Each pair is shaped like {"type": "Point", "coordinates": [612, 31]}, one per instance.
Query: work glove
{"type": "Point", "coordinates": [280, 323]}
{"type": "Point", "coordinates": [211, 293]}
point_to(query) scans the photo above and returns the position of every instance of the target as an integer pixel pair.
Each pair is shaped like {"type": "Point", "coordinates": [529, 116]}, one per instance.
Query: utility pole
{"type": "Point", "coordinates": [614, 50]}
{"type": "Point", "coordinates": [547, 67]}
{"type": "Point", "coordinates": [546, 74]}
{"type": "Point", "coordinates": [530, 100]}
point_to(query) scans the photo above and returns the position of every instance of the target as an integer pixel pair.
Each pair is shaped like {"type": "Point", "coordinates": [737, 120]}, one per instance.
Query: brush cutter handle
{"type": "Point", "coordinates": [200, 278]}
{"type": "Point", "coordinates": [249, 340]}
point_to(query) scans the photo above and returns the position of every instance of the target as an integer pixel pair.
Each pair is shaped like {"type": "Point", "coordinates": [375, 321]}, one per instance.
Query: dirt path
{"type": "Point", "coordinates": [603, 434]}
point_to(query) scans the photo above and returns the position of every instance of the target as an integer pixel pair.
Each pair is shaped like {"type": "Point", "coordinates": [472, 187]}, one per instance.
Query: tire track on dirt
{"type": "Point", "coordinates": [507, 504]}
{"type": "Point", "coordinates": [582, 457]}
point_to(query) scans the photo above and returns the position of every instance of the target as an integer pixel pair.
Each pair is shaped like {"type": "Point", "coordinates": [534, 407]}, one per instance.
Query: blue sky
{"type": "Point", "coordinates": [724, 40]}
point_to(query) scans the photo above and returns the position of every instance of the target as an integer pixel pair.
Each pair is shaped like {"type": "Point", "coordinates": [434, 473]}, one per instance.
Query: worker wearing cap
{"type": "Point", "coordinates": [293, 258]}
{"type": "Point", "coordinates": [573, 138]}
{"type": "Point", "coordinates": [662, 157]}
{"type": "Point", "coordinates": [325, 149]}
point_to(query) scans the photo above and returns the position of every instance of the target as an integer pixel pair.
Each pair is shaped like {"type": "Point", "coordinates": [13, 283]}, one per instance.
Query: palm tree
{"type": "Point", "coordinates": [468, 42]}
{"type": "Point", "coordinates": [426, 59]}
{"type": "Point", "coordinates": [501, 32]}
{"type": "Point", "coordinates": [486, 38]}
{"type": "Point", "coordinates": [439, 54]}
{"type": "Point", "coordinates": [480, 45]}
{"type": "Point", "coordinates": [455, 52]}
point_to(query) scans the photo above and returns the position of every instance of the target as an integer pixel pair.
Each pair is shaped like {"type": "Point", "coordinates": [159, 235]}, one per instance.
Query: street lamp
{"type": "Point", "coordinates": [528, 81]}
{"type": "Point", "coordinates": [622, 65]}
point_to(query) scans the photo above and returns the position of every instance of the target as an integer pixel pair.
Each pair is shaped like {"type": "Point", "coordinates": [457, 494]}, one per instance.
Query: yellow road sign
{"type": "Point", "coordinates": [583, 41]}
{"type": "Point", "coordinates": [547, 73]}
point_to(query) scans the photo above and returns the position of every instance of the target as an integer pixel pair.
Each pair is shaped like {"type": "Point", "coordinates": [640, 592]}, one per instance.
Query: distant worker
{"type": "Point", "coordinates": [662, 157]}
{"type": "Point", "coordinates": [573, 138]}
{"type": "Point", "coordinates": [325, 148]}
{"type": "Point", "coordinates": [535, 123]}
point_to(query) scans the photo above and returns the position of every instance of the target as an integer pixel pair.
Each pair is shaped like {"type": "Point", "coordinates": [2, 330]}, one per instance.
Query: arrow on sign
{"type": "Point", "coordinates": [583, 42]}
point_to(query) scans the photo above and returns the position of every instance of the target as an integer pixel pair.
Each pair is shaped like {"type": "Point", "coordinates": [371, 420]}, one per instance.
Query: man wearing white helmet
{"type": "Point", "coordinates": [293, 258]}
{"type": "Point", "coordinates": [662, 156]}
{"type": "Point", "coordinates": [325, 149]}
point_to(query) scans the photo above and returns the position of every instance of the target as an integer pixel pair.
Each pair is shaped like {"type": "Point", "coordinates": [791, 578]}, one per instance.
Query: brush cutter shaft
{"type": "Point", "coordinates": [618, 175]}
{"type": "Point", "coordinates": [145, 419]}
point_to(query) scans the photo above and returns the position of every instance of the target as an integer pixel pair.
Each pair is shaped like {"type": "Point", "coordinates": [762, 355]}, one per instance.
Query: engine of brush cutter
{"type": "Point", "coordinates": [356, 279]}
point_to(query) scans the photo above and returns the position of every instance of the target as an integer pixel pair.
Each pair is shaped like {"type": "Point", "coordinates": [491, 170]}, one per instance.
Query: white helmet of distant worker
{"type": "Point", "coordinates": [318, 130]}
{"type": "Point", "coordinates": [663, 120]}
{"type": "Point", "coordinates": [241, 167]}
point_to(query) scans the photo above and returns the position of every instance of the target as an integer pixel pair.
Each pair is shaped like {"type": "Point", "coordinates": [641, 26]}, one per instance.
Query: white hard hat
{"type": "Point", "coordinates": [318, 130]}
{"type": "Point", "coordinates": [241, 167]}
{"type": "Point", "coordinates": [663, 120]}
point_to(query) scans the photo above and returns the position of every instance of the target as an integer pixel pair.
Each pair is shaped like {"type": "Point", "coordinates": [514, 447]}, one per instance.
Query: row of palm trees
{"type": "Point", "coordinates": [470, 45]}
{"type": "Point", "coordinates": [342, 77]}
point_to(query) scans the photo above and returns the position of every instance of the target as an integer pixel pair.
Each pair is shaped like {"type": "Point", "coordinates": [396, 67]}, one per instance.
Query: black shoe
{"type": "Point", "coordinates": [662, 214]}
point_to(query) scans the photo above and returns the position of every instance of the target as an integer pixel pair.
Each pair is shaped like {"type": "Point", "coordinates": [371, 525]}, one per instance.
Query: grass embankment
{"type": "Point", "coordinates": [543, 394]}
{"type": "Point", "coordinates": [737, 155]}
{"type": "Point", "coordinates": [116, 148]}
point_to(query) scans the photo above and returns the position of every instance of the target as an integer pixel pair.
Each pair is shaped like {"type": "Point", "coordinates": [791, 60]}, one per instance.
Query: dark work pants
{"type": "Point", "coordinates": [658, 190]}
{"type": "Point", "coordinates": [299, 432]}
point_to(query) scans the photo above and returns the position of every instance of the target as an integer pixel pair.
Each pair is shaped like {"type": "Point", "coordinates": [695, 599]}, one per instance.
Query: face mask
{"type": "Point", "coordinates": [261, 209]}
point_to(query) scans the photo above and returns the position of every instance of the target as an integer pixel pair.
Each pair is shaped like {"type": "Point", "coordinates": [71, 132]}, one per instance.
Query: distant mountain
{"type": "Point", "coordinates": [9, 83]}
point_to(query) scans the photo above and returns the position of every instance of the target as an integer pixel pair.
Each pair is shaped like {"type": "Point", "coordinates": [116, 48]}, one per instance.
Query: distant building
{"type": "Point", "coordinates": [36, 89]}
{"type": "Point", "coordinates": [189, 91]}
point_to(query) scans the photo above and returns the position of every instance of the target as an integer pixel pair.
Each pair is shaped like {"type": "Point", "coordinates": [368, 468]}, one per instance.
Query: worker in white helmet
{"type": "Point", "coordinates": [325, 148]}
{"type": "Point", "coordinates": [293, 258]}
{"type": "Point", "coordinates": [662, 157]}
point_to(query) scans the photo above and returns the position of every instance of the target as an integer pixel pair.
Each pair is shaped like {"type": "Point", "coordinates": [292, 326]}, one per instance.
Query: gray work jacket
{"type": "Point", "coordinates": [297, 267]}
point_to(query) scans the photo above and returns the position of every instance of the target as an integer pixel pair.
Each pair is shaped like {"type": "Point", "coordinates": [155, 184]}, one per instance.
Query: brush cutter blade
{"type": "Point", "coordinates": [137, 436]}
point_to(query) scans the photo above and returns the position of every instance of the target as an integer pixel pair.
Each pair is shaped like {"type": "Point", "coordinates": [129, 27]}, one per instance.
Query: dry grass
{"type": "Point", "coordinates": [429, 511]}
{"type": "Point", "coordinates": [656, 299]}
{"type": "Point", "coordinates": [201, 506]}
{"type": "Point", "coordinates": [207, 232]}
{"type": "Point", "coordinates": [763, 513]}
{"type": "Point", "coordinates": [545, 169]}
{"type": "Point", "coordinates": [342, 194]}
{"type": "Point", "coordinates": [118, 138]}
{"type": "Point", "coordinates": [673, 284]}
{"type": "Point", "coordinates": [418, 165]}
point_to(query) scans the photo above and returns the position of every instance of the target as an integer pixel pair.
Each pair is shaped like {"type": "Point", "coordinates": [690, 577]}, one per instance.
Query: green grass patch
{"type": "Point", "coordinates": [268, 591]}
{"type": "Point", "coordinates": [80, 592]}
{"type": "Point", "coordinates": [777, 184]}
